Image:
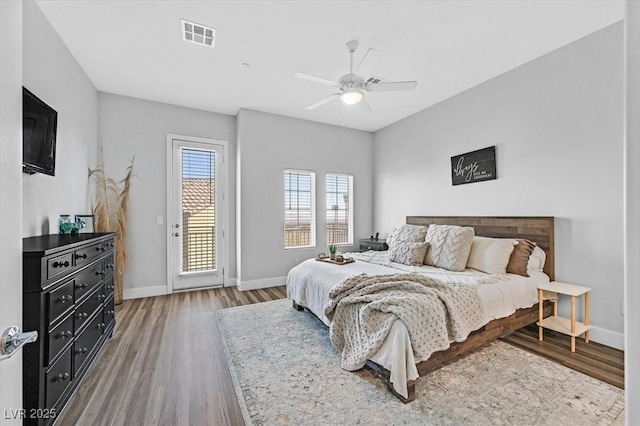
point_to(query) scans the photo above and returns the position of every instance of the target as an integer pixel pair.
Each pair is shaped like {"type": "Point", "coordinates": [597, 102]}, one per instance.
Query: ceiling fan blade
{"type": "Point", "coordinates": [323, 101]}
{"type": "Point", "coordinates": [315, 79]}
{"type": "Point", "coordinates": [366, 105]}
{"type": "Point", "coordinates": [368, 63]}
{"type": "Point", "coordinates": [392, 86]}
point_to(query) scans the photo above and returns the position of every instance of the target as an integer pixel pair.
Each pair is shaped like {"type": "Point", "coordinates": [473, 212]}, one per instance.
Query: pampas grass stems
{"type": "Point", "coordinates": [110, 211]}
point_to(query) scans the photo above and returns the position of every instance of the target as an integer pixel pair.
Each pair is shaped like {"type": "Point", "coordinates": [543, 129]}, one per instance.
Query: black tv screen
{"type": "Point", "coordinates": [39, 125]}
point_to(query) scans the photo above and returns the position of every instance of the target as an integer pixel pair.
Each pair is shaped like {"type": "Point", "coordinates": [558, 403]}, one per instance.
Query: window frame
{"type": "Point", "coordinates": [350, 218]}
{"type": "Point", "coordinates": [312, 230]}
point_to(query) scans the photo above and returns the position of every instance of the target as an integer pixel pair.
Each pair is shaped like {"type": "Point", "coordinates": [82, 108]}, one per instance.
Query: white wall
{"type": "Point", "coordinates": [632, 219]}
{"type": "Point", "coordinates": [10, 200]}
{"type": "Point", "coordinates": [130, 126]}
{"type": "Point", "coordinates": [270, 143]}
{"type": "Point", "coordinates": [52, 74]}
{"type": "Point", "coordinates": [557, 126]}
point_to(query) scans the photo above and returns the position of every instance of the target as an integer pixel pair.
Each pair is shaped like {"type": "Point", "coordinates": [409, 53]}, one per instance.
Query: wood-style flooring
{"type": "Point", "coordinates": [596, 360]}
{"type": "Point", "coordinates": [165, 364]}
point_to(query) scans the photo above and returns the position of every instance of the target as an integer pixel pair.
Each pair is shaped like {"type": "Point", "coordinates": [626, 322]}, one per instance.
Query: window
{"type": "Point", "coordinates": [299, 209]}
{"type": "Point", "coordinates": [339, 209]}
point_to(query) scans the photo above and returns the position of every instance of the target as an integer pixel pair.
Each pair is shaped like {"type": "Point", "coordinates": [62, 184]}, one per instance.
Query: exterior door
{"type": "Point", "coordinates": [196, 207]}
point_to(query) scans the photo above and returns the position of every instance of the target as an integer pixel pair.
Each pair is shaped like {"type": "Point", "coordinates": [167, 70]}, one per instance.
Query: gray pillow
{"type": "Point", "coordinates": [408, 253]}
{"type": "Point", "coordinates": [449, 246]}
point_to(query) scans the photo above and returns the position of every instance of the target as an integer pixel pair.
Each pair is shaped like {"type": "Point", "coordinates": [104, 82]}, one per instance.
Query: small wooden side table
{"type": "Point", "coordinates": [568, 326]}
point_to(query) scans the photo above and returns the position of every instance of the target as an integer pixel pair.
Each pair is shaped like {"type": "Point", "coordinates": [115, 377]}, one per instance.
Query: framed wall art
{"type": "Point", "coordinates": [474, 166]}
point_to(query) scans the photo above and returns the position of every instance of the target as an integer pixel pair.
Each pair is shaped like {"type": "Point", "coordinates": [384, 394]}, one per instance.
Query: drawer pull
{"type": "Point", "coordinates": [64, 264]}
{"type": "Point", "coordinates": [81, 256]}
{"type": "Point", "coordinates": [110, 287]}
{"type": "Point", "coordinates": [81, 350]}
{"type": "Point", "coordinates": [100, 273]}
{"type": "Point", "coordinates": [62, 377]}
{"type": "Point", "coordinates": [102, 325]}
{"type": "Point", "coordinates": [109, 244]}
{"type": "Point", "coordinates": [64, 334]}
{"type": "Point", "coordinates": [110, 265]}
{"type": "Point", "coordinates": [101, 297]}
{"type": "Point", "coordinates": [110, 312]}
{"type": "Point", "coordinates": [66, 298]}
{"type": "Point", "coordinates": [82, 315]}
{"type": "Point", "coordinates": [83, 285]}
{"type": "Point", "coordinates": [100, 248]}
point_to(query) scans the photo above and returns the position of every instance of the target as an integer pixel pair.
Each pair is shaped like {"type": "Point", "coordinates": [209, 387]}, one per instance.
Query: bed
{"type": "Point", "coordinates": [510, 301]}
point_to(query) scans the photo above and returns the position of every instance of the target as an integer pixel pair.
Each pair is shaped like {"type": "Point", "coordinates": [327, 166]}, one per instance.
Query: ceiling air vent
{"type": "Point", "coordinates": [198, 34]}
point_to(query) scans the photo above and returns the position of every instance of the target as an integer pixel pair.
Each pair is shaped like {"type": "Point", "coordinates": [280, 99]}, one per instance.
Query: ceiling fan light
{"type": "Point", "coordinates": [351, 97]}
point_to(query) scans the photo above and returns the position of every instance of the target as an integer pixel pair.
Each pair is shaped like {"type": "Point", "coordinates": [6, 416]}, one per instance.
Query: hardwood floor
{"type": "Point", "coordinates": [165, 364]}
{"type": "Point", "coordinates": [596, 360]}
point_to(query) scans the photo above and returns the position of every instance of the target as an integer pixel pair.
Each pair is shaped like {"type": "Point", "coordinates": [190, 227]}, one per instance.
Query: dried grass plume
{"type": "Point", "coordinates": [110, 211]}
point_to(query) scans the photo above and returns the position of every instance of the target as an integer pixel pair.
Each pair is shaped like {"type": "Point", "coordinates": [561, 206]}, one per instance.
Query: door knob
{"type": "Point", "coordinates": [177, 234]}
{"type": "Point", "coordinates": [177, 225]}
{"type": "Point", "coordinates": [13, 339]}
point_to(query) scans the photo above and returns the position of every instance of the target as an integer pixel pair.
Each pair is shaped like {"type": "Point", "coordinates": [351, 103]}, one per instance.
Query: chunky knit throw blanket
{"type": "Point", "coordinates": [362, 310]}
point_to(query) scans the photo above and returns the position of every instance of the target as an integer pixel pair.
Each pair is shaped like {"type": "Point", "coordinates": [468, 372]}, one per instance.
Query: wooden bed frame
{"type": "Point", "coordinates": [535, 228]}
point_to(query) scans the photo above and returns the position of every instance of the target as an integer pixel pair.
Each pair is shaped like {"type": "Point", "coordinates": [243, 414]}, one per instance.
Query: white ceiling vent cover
{"type": "Point", "coordinates": [198, 34]}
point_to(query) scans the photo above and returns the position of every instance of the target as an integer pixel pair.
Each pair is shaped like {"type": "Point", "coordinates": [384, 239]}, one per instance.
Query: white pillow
{"type": "Point", "coordinates": [449, 246]}
{"type": "Point", "coordinates": [410, 233]}
{"type": "Point", "coordinates": [408, 253]}
{"type": "Point", "coordinates": [490, 255]}
{"type": "Point", "coordinates": [536, 260]}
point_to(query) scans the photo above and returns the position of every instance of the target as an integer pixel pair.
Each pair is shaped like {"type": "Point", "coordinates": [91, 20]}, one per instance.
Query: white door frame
{"type": "Point", "coordinates": [170, 203]}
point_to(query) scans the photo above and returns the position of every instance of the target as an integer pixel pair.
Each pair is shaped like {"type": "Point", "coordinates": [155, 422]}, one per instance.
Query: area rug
{"type": "Point", "coordinates": [286, 371]}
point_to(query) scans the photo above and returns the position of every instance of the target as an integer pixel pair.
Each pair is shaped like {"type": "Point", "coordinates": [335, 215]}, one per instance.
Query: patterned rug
{"type": "Point", "coordinates": [286, 371]}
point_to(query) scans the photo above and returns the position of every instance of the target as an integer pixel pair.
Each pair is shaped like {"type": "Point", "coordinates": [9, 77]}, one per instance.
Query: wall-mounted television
{"type": "Point", "coordinates": [39, 125]}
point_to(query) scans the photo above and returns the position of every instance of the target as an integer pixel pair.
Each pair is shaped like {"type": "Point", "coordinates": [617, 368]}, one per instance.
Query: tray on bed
{"type": "Point", "coordinates": [328, 260]}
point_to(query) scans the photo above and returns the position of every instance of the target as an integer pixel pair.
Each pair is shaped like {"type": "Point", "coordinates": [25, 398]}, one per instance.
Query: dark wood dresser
{"type": "Point", "coordinates": [68, 299]}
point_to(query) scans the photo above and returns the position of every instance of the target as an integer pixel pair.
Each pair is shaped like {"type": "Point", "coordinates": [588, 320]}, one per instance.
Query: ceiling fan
{"type": "Point", "coordinates": [353, 84]}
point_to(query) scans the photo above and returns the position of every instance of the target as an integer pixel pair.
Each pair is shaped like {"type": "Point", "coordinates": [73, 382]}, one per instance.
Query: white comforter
{"type": "Point", "coordinates": [309, 284]}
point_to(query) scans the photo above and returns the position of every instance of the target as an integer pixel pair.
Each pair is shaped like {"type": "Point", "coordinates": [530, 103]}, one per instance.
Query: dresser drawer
{"type": "Point", "coordinates": [58, 338]}
{"type": "Point", "coordinates": [88, 280]}
{"type": "Point", "coordinates": [109, 311]}
{"type": "Point", "coordinates": [110, 244]}
{"type": "Point", "coordinates": [85, 255]}
{"type": "Point", "coordinates": [87, 308]}
{"type": "Point", "coordinates": [109, 287]}
{"type": "Point", "coordinates": [59, 301]}
{"type": "Point", "coordinates": [58, 378]}
{"type": "Point", "coordinates": [59, 265]}
{"type": "Point", "coordinates": [85, 343]}
{"type": "Point", "coordinates": [109, 266]}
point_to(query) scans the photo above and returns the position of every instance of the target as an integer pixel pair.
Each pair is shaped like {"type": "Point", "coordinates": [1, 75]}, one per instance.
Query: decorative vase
{"type": "Point", "coordinates": [332, 256]}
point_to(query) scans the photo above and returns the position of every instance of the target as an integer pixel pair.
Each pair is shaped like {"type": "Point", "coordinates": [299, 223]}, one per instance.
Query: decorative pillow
{"type": "Point", "coordinates": [410, 233]}
{"type": "Point", "coordinates": [490, 255]}
{"type": "Point", "coordinates": [520, 257]}
{"type": "Point", "coordinates": [449, 246]}
{"type": "Point", "coordinates": [408, 253]}
{"type": "Point", "coordinates": [536, 260]}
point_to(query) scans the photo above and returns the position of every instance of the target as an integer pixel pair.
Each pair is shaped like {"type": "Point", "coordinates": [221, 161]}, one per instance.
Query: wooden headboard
{"type": "Point", "coordinates": [535, 228]}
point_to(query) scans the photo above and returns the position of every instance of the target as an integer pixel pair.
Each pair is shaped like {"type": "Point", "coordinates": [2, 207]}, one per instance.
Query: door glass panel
{"type": "Point", "coordinates": [198, 248]}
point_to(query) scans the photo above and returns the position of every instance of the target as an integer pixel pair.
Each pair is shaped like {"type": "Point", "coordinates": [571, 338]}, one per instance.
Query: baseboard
{"type": "Point", "coordinates": [607, 337]}
{"type": "Point", "coordinates": [264, 283]}
{"type": "Point", "coordinates": [136, 293]}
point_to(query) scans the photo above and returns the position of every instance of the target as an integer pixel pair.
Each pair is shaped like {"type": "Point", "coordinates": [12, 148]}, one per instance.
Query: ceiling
{"type": "Point", "coordinates": [135, 48]}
